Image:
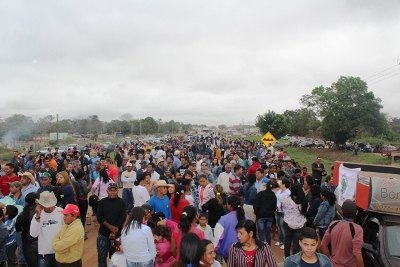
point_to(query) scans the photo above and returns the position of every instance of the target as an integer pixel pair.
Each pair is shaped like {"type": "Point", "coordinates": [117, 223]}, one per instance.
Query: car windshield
{"type": "Point", "coordinates": [393, 239]}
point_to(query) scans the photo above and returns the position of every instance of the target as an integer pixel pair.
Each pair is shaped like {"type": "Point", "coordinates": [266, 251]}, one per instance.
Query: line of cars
{"type": "Point", "coordinates": [306, 142]}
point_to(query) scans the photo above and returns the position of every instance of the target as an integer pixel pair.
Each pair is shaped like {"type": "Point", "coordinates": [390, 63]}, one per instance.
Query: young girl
{"type": "Point", "coordinates": [206, 191]}
{"type": "Point", "coordinates": [187, 223]}
{"type": "Point", "coordinates": [203, 226]}
{"type": "Point", "coordinates": [162, 239]}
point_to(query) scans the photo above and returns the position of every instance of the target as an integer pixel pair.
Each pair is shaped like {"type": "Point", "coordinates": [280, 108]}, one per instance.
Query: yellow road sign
{"type": "Point", "coordinates": [268, 139]}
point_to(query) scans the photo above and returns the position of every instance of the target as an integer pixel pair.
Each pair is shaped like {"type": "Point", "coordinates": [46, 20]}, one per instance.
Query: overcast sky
{"type": "Point", "coordinates": [213, 62]}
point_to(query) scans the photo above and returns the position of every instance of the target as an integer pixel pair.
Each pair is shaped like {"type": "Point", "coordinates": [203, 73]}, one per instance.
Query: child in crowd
{"type": "Point", "coordinates": [206, 191]}
{"type": "Point", "coordinates": [118, 259]}
{"type": "Point", "coordinates": [308, 255]}
{"type": "Point", "coordinates": [11, 243]}
{"type": "Point", "coordinates": [203, 220]}
{"type": "Point", "coordinates": [162, 239]}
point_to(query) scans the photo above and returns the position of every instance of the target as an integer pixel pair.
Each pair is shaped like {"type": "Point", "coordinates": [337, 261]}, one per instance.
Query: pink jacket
{"type": "Point", "coordinates": [205, 194]}
{"type": "Point", "coordinates": [103, 188]}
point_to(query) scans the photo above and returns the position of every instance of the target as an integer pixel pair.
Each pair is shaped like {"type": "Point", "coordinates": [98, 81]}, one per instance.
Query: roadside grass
{"type": "Point", "coordinates": [306, 156]}
{"type": "Point", "coordinates": [5, 154]}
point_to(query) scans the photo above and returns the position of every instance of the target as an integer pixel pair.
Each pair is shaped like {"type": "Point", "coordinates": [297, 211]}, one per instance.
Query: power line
{"type": "Point", "coordinates": [385, 78]}
{"type": "Point", "coordinates": [384, 75]}
{"type": "Point", "coordinates": [382, 71]}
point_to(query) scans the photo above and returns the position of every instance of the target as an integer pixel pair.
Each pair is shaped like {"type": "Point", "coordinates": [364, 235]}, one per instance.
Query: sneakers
{"type": "Point", "coordinates": [277, 243]}
{"type": "Point", "coordinates": [282, 246]}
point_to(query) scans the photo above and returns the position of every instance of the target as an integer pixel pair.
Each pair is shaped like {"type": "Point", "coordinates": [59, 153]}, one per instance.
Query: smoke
{"type": "Point", "coordinates": [16, 128]}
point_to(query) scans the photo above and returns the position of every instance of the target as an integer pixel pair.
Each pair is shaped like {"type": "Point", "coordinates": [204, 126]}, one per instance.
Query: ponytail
{"type": "Point", "coordinates": [187, 217]}
{"type": "Point", "coordinates": [236, 205]}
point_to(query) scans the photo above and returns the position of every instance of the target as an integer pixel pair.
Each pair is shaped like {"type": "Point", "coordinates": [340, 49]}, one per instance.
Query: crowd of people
{"type": "Point", "coordinates": [204, 202]}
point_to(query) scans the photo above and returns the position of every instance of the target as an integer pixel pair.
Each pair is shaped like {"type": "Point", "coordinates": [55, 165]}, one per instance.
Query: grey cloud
{"type": "Point", "coordinates": [193, 61]}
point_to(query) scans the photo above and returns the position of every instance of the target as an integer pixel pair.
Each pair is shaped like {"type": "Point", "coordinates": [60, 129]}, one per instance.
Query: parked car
{"type": "Point", "coordinates": [44, 150]}
{"type": "Point", "coordinates": [306, 143]}
{"type": "Point", "coordinates": [319, 143]}
{"type": "Point", "coordinates": [62, 149]}
{"type": "Point", "coordinates": [381, 239]}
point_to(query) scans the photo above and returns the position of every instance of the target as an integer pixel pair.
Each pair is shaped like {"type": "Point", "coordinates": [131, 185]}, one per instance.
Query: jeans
{"type": "Point", "coordinates": [279, 224]}
{"type": "Point", "coordinates": [11, 255]}
{"type": "Point", "coordinates": [127, 197]}
{"type": "Point", "coordinates": [292, 237]}
{"type": "Point", "coordinates": [20, 252]}
{"type": "Point", "coordinates": [48, 260]}
{"type": "Point", "coordinates": [31, 252]}
{"type": "Point", "coordinates": [83, 207]}
{"type": "Point", "coordinates": [140, 264]}
{"type": "Point", "coordinates": [103, 247]}
{"type": "Point", "coordinates": [264, 225]}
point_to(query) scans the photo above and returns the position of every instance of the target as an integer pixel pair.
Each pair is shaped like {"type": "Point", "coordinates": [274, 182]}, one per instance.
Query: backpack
{"type": "Point", "coordinates": [352, 231]}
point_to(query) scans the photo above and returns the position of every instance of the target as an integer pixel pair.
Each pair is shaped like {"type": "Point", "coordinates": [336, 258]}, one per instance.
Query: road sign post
{"type": "Point", "coordinates": [268, 139]}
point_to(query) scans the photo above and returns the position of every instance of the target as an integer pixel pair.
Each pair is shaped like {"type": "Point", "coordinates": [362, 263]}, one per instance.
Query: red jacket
{"type": "Point", "coordinates": [253, 168]}
{"type": "Point", "coordinates": [5, 182]}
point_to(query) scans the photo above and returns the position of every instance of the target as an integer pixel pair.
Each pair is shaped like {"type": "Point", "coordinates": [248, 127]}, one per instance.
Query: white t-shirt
{"type": "Point", "coordinates": [140, 195]}
{"type": "Point", "coordinates": [140, 243]}
{"type": "Point", "coordinates": [128, 179]}
{"type": "Point", "coordinates": [46, 229]}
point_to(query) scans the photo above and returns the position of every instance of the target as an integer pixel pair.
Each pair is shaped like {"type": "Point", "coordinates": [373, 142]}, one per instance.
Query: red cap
{"type": "Point", "coordinates": [71, 209]}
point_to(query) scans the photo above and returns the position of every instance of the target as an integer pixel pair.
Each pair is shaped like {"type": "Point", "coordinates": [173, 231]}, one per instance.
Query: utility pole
{"type": "Point", "coordinates": [57, 127]}
{"type": "Point", "coordinates": [140, 127]}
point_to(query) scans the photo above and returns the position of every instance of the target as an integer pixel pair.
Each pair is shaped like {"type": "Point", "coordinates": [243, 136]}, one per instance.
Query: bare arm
{"type": "Point", "coordinates": [359, 260]}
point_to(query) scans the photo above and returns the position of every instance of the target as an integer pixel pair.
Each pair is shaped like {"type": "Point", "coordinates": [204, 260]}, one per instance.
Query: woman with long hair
{"type": "Point", "coordinates": [100, 185]}
{"type": "Point", "coordinates": [294, 208]}
{"type": "Point", "coordinates": [224, 232]}
{"type": "Point", "coordinates": [138, 240]}
{"type": "Point", "coordinates": [67, 188]}
{"type": "Point", "coordinates": [189, 252]}
{"type": "Point", "coordinates": [326, 212]}
{"type": "Point", "coordinates": [215, 206]}
{"type": "Point", "coordinates": [187, 223]}
{"type": "Point", "coordinates": [249, 251]}
{"type": "Point", "coordinates": [178, 202]}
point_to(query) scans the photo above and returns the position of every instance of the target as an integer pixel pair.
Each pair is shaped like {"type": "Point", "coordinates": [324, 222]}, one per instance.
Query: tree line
{"type": "Point", "coordinates": [21, 127]}
{"type": "Point", "coordinates": [344, 111]}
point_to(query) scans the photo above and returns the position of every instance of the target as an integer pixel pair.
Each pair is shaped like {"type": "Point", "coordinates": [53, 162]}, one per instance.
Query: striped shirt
{"type": "Point", "coordinates": [262, 258]}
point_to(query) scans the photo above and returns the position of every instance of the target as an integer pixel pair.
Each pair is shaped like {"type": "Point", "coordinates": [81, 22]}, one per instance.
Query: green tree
{"type": "Point", "coordinates": [347, 109]}
{"type": "Point", "coordinates": [277, 124]}
{"type": "Point", "coordinates": [302, 121]}
{"type": "Point", "coordinates": [149, 126]}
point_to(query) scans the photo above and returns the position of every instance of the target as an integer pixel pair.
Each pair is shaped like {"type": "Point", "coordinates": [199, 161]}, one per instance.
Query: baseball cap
{"type": "Point", "coordinates": [71, 209]}
{"type": "Point", "coordinates": [112, 186]}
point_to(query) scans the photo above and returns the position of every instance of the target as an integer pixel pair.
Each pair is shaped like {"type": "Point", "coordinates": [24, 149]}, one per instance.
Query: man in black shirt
{"type": "Point", "coordinates": [111, 213]}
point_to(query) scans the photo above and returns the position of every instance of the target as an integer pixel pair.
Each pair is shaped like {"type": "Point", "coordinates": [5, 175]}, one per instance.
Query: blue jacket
{"type": "Point", "coordinates": [228, 238]}
{"type": "Point", "coordinates": [295, 260]}
{"type": "Point", "coordinates": [325, 215]}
